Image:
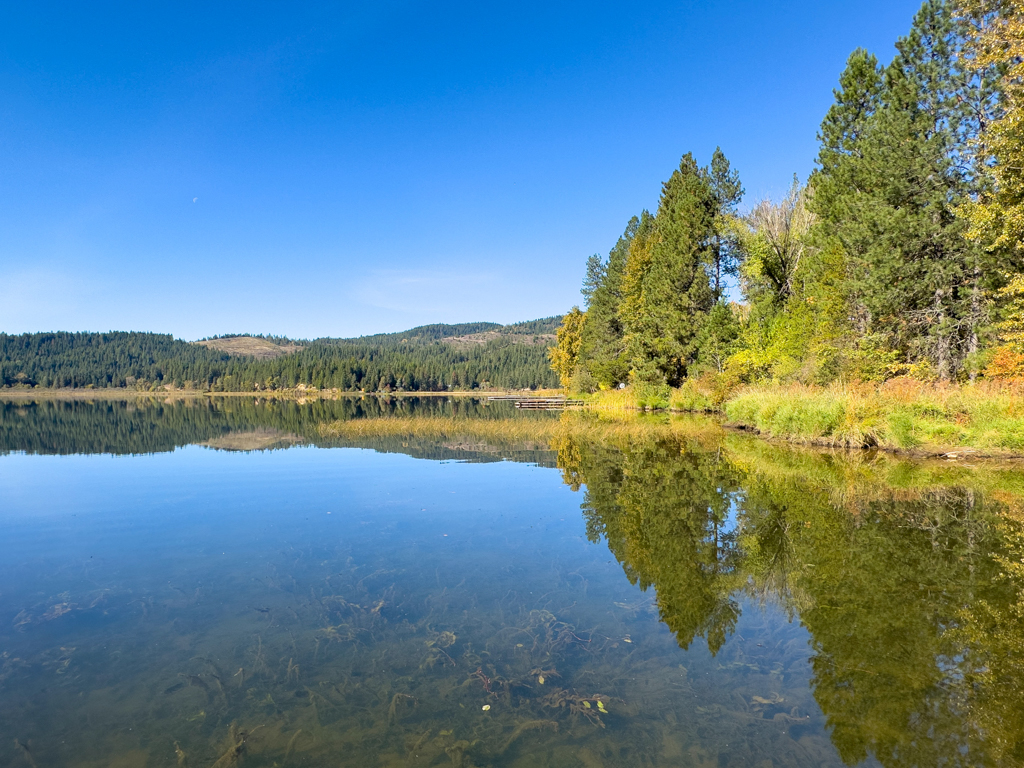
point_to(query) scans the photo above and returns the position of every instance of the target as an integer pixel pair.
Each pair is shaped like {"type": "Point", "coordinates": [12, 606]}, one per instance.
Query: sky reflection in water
{"type": "Point", "coordinates": [343, 606]}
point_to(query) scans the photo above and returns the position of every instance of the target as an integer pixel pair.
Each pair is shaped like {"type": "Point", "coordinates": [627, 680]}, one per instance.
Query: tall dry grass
{"type": "Point", "coordinates": [613, 426]}
{"type": "Point", "coordinates": [901, 414]}
{"type": "Point", "coordinates": [611, 400]}
{"type": "Point", "coordinates": [496, 431]}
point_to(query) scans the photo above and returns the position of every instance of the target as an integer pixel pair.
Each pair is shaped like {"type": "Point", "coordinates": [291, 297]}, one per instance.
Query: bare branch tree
{"type": "Point", "coordinates": [781, 226]}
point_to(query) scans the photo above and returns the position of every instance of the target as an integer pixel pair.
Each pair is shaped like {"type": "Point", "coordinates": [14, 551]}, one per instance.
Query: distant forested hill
{"type": "Point", "coordinates": [428, 358]}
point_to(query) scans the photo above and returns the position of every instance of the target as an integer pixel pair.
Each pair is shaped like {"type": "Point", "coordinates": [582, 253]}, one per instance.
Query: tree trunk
{"type": "Point", "coordinates": [942, 341]}
{"type": "Point", "coordinates": [972, 341]}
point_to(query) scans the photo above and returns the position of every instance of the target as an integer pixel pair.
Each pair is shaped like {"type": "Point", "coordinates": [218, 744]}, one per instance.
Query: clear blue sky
{"type": "Point", "coordinates": [212, 168]}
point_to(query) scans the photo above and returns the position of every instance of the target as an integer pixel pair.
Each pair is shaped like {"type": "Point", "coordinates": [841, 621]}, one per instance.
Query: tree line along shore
{"type": "Point", "coordinates": [880, 302]}
{"type": "Point", "coordinates": [432, 358]}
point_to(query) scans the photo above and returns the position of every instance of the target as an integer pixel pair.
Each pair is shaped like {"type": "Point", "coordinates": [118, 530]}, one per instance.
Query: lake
{"type": "Point", "coordinates": [449, 582]}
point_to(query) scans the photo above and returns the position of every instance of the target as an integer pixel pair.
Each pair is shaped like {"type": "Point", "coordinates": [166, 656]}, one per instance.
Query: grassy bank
{"type": "Point", "coordinates": [902, 414]}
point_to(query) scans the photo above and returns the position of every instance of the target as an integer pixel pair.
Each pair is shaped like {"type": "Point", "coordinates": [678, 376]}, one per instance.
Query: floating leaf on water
{"type": "Point", "coordinates": [485, 707]}
{"type": "Point", "coordinates": [540, 679]}
{"type": "Point", "coordinates": [600, 705]}
{"type": "Point", "coordinates": [586, 704]}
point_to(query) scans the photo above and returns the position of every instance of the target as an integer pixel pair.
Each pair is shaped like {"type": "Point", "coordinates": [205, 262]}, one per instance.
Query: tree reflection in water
{"type": "Point", "coordinates": [907, 575]}
{"type": "Point", "coordinates": [910, 585]}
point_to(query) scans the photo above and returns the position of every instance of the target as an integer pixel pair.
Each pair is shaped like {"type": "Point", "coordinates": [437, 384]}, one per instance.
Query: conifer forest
{"type": "Point", "coordinates": [900, 256]}
{"type": "Point", "coordinates": [425, 359]}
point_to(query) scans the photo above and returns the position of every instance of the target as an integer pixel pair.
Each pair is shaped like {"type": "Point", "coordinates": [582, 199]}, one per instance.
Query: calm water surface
{"type": "Point", "coordinates": [221, 584]}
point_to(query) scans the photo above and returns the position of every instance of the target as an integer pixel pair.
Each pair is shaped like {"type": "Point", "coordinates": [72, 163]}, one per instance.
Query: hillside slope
{"type": "Point", "coordinates": [253, 346]}
{"type": "Point", "coordinates": [428, 358]}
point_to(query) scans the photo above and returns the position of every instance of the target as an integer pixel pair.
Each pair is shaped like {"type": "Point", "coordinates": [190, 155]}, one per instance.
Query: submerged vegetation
{"type": "Point", "coordinates": [898, 260]}
{"type": "Point", "coordinates": [837, 541]}
{"type": "Point", "coordinates": [505, 648]}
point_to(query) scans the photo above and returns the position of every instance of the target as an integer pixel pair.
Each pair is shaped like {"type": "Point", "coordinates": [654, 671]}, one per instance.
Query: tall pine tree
{"type": "Point", "coordinates": [668, 292]}
{"type": "Point", "coordinates": [893, 167]}
{"type": "Point", "coordinates": [728, 192]}
{"type": "Point", "coordinates": [840, 158]}
{"type": "Point", "coordinates": [603, 347]}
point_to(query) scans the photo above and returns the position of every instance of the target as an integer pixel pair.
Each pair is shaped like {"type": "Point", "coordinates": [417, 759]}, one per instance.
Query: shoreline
{"type": "Point", "coordinates": [961, 453]}
{"type": "Point", "coordinates": [113, 393]}
{"type": "Point", "coordinates": [898, 418]}
{"type": "Point", "coordinates": [901, 416]}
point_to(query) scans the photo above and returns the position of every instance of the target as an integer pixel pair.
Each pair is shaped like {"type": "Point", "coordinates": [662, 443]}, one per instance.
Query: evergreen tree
{"type": "Point", "coordinates": [891, 171]}
{"type": "Point", "coordinates": [718, 337]}
{"type": "Point", "coordinates": [597, 273]}
{"type": "Point", "coordinates": [602, 347]}
{"type": "Point", "coordinates": [728, 191]}
{"type": "Point", "coordinates": [667, 286]}
{"type": "Point", "coordinates": [856, 101]}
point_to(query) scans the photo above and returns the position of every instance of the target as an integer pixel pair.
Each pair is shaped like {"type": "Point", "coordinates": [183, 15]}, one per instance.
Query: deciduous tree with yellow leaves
{"type": "Point", "coordinates": [565, 355]}
{"type": "Point", "coordinates": [997, 217]}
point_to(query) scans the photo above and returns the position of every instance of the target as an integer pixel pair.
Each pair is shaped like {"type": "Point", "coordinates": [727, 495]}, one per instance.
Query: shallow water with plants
{"type": "Point", "coordinates": [448, 582]}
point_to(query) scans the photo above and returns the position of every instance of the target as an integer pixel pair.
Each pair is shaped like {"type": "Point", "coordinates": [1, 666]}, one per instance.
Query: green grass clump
{"type": "Point", "coordinates": [901, 414]}
{"type": "Point", "coordinates": [652, 396]}
{"type": "Point", "coordinates": [800, 413]}
{"type": "Point", "coordinates": [694, 398]}
{"type": "Point", "coordinates": [610, 400]}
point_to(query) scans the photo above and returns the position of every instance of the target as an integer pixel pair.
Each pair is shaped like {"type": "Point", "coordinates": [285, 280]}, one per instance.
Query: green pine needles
{"type": "Point", "coordinates": [876, 269]}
